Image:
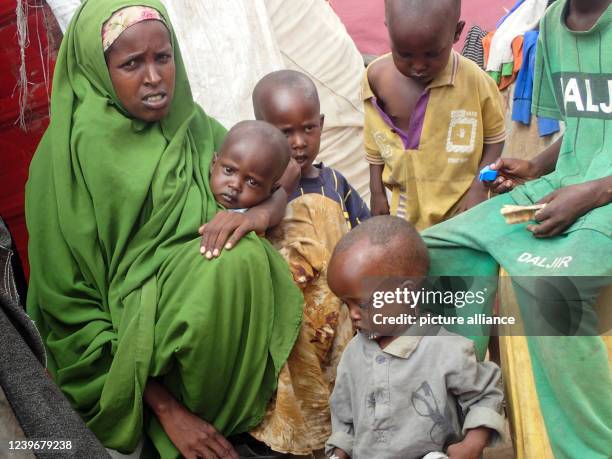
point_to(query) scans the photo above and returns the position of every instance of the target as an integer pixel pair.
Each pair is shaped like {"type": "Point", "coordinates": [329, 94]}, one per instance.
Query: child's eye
{"type": "Point", "coordinates": [433, 54]}
{"type": "Point", "coordinates": [228, 170]}
{"type": "Point", "coordinates": [309, 129]}
{"type": "Point", "coordinates": [287, 132]}
{"type": "Point", "coordinates": [164, 57]}
{"type": "Point", "coordinates": [252, 182]}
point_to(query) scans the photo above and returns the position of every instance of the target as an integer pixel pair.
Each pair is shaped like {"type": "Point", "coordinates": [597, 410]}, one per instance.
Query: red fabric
{"type": "Point", "coordinates": [365, 20]}
{"type": "Point", "coordinates": [16, 145]}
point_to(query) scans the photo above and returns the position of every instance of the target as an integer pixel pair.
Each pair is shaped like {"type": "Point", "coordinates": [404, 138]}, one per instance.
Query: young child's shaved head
{"type": "Point", "coordinates": [251, 160]}
{"type": "Point", "coordinates": [272, 88]}
{"type": "Point", "coordinates": [423, 9]}
{"type": "Point", "coordinates": [289, 100]}
{"type": "Point", "coordinates": [422, 34]}
{"type": "Point", "coordinates": [391, 242]}
{"type": "Point", "coordinates": [274, 151]}
{"type": "Point", "coordinates": [379, 255]}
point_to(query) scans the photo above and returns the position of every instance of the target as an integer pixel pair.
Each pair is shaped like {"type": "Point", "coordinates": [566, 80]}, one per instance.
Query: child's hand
{"type": "Point", "coordinates": [471, 446]}
{"type": "Point", "coordinates": [512, 172]}
{"type": "Point", "coordinates": [340, 454]}
{"type": "Point", "coordinates": [291, 177]}
{"type": "Point", "coordinates": [379, 204]}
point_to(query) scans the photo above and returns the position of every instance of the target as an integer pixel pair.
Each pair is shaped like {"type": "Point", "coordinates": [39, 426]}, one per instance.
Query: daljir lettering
{"type": "Point", "coordinates": [542, 262]}
{"type": "Point", "coordinates": [585, 95]}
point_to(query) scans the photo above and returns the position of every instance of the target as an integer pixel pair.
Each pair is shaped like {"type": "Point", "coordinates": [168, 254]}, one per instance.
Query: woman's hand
{"type": "Point", "coordinates": [193, 437]}
{"type": "Point", "coordinates": [226, 229]}
{"type": "Point", "coordinates": [511, 172]}
{"type": "Point", "coordinates": [565, 205]}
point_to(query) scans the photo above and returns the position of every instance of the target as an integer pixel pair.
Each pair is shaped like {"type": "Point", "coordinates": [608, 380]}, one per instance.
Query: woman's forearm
{"type": "Point", "coordinates": [158, 398]}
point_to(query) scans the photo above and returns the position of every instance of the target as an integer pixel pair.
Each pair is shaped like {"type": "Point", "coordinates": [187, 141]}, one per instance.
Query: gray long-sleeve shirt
{"type": "Point", "coordinates": [408, 399]}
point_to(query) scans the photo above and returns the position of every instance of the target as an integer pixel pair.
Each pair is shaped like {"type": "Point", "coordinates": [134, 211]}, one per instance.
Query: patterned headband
{"type": "Point", "coordinates": [125, 18]}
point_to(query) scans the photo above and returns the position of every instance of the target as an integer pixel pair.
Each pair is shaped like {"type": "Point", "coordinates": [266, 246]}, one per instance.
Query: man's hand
{"type": "Point", "coordinates": [226, 229]}
{"type": "Point", "coordinates": [565, 205]}
{"type": "Point", "coordinates": [511, 172]}
{"type": "Point", "coordinates": [379, 204]}
{"type": "Point", "coordinates": [471, 446]}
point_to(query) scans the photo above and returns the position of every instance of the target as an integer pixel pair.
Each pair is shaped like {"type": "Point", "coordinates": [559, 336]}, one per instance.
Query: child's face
{"type": "Point", "coordinates": [241, 175]}
{"type": "Point", "coordinates": [421, 53]}
{"type": "Point", "coordinates": [141, 67]}
{"type": "Point", "coordinates": [362, 276]}
{"type": "Point", "coordinates": [348, 276]}
{"type": "Point", "coordinates": [301, 122]}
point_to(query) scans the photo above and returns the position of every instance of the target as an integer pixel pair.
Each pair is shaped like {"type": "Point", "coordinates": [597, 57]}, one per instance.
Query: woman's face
{"type": "Point", "coordinates": [141, 67]}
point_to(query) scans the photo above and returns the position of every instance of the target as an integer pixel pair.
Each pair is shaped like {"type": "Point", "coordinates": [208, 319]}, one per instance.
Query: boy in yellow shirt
{"type": "Point", "coordinates": [433, 118]}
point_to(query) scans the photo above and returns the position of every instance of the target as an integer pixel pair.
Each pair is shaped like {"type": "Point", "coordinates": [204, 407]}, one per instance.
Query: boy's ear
{"type": "Point", "coordinates": [214, 160]}
{"type": "Point", "coordinates": [322, 121]}
{"type": "Point", "coordinates": [458, 30]}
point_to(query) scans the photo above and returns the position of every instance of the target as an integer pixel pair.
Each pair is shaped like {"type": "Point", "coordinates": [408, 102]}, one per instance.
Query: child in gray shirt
{"type": "Point", "coordinates": [404, 396]}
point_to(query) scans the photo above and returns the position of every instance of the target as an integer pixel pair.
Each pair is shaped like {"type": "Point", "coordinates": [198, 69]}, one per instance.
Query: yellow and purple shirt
{"type": "Point", "coordinates": [431, 166]}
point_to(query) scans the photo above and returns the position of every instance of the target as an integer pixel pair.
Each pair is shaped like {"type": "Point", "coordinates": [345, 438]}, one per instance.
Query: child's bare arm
{"type": "Point", "coordinates": [478, 191]}
{"type": "Point", "coordinates": [378, 197]}
{"type": "Point", "coordinates": [471, 446]}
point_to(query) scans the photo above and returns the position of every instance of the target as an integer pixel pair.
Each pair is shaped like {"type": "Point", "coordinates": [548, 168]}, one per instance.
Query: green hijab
{"type": "Point", "coordinates": [110, 202]}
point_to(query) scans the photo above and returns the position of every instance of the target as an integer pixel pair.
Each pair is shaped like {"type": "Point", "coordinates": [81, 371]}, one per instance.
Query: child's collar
{"type": "Point", "coordinates": [448, 76]}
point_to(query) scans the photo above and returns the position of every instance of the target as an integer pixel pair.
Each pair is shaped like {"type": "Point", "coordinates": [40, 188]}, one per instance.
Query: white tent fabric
{"type": "Point", "coordinates": [63, 11]}
{"type": "Point", "coordinates": [313, 40]}
{"type": "Point", "coordinates": [228, 45]}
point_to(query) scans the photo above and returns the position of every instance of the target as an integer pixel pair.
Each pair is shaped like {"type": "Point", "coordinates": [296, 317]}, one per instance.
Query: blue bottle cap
{"type": "Point", "coordinates": [487, 175]}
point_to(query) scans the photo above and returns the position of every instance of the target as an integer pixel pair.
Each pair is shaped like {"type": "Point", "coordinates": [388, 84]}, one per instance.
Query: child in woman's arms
{"type": "Point", "coordinates": [246, 171]}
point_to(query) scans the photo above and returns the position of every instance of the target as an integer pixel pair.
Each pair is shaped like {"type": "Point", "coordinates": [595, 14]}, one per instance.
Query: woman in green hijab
{"type": "Point", "coordinates": [143, 333]}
